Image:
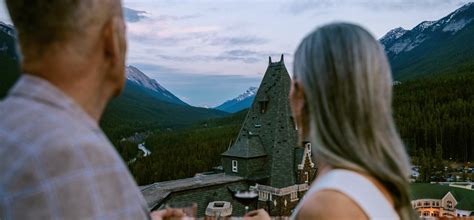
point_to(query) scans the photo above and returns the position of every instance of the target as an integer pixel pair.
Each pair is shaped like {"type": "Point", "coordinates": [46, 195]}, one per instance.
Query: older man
{"type": "Point", "coordinates": [55, 162]}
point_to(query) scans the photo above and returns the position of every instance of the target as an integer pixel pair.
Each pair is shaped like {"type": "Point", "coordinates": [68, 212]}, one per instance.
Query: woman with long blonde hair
{"type": "Point", "coordinates": [341, 99]}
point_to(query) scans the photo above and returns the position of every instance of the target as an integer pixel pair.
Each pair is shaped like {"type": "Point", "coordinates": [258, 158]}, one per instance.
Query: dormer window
{"type": "Point", "coordinates": [263, 106]}
{"type": "Point", "coordinates": [308, 145]}
{"type": "Point", "coordinates": [235, 166]}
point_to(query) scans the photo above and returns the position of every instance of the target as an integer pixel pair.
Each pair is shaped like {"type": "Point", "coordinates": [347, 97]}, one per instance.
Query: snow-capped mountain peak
{"type": "Point", "coordinates": [252, 91]}
{"type": "Point", "coordinates": [459, 10]}
{"type": "Point", "coordinates": [137, 76]}
{"type": "Point", "coordinates": [400, 40]}
{"type": "Point", "coordinates": [424, 25]}
{"type": "Point", "coordinates": [393, 34]}
{"type": "Point", "coordinates": [242, 101]}
{"type": "Point", "coordinates": [457, 20]}
{"type": "Point", "coordinates": [134, 75]}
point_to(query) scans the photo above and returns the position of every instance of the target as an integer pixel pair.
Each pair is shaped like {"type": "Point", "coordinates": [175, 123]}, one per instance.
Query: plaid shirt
{"type": "Point", "coordinates": [56, 163]}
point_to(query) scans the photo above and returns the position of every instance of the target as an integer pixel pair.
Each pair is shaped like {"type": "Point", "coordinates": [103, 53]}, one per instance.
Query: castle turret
{"type": "Point", "coordinates": [265, 147]}
{"type": "Point", "coordinates": [266, 151]}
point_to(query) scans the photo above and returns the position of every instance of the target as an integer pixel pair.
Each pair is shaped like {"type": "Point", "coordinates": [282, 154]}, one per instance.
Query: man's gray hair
{"type": "Point", "coordinates": [40, 23]}
{"type": "Point", "coordinates": [348, 85]}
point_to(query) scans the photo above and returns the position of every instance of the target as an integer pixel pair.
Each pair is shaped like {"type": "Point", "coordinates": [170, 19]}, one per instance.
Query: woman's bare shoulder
{"type": "Point", "coordinates": [330, 204]}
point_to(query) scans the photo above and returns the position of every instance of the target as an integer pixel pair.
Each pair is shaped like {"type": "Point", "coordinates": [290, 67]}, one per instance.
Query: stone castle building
{"type": "Point", "coordinates": [265, 157]}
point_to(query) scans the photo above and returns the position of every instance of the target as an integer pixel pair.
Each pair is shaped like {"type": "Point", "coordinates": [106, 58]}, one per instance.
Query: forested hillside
{"type": "Point", "coordinates": [137, 110]}
{"type": "Point", "coordinates": [183, 153]}
{"type": "Point", "coordinates": [438, 111]}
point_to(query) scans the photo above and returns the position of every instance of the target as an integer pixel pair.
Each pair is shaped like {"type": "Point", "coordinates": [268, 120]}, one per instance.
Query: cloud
{"type": "Point", "coordinates": [208, 58]}
{"type": "Point", "coordinates": [238, 40]}
{"type": "Point", "coordinates": [134, 16]}
{"type": "Point", "coordinates": [241, 52]}
{"type": "Point", "coordinates": [165, 35]}
{"type": "Point", "coordinates": [177, 18]}
{"type": "Point", "coordinates": [302, 6]}
{"type": "Point", "coordinates": [401, 5]}
{"type": "Point", "coordinates": [244, 56]}
{"type": "Point", "coordinates": [250, 55]}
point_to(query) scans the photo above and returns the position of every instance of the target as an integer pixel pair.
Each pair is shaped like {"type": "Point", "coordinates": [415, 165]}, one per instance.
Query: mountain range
{"type": "Point", "coordinates": [432, 47]}
{"type": "Point", "coordinates": [240, 103]}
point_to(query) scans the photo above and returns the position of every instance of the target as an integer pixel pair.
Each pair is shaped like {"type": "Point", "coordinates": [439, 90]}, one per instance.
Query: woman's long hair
{"type": "Point", "coordinates": [348, 86]}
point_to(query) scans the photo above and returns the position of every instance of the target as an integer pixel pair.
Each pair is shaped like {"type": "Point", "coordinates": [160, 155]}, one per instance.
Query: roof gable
{"type": "Point", "coordinates": [464, 197]}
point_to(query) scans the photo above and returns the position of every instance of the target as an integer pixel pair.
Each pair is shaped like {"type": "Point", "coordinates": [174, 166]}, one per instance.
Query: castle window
{"type": "Point", "coordinates": [449, 204]}
{"type": "Point", "coordinates": [263, 106]}
{"type": "Point", "coordinates": [293, 123]}
{"type": "Point", "coordinates": [235, 166]}
{"type": "Point", "coordinates": [263, 196]}
{"type": "Point", "coordinates": [294, 196]}
{"type": "Point", "coordinates": [306, 177]}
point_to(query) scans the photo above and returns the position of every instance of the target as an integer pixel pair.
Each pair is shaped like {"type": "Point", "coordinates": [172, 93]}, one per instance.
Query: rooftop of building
{"type": "Point", "coordinates": [241, 148]}
{"type": "Point", "coordinates": [464, 197]}
{"type": "Point", "coordinates": [157, 192]}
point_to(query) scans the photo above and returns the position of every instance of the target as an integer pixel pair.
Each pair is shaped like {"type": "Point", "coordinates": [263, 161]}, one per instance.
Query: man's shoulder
{"type": "Point", "coordinates": [55, 147]}
{"type": "Point", "coordinates": [79, 166]}
{"type": "Point", "coordinates": [29, 122]}
{"type": "Point", "coordinates": [52, 137]}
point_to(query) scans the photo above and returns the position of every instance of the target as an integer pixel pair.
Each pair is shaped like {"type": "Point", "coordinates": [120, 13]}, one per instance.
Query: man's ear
{"type": "Point", "coordinates": [113, 35]}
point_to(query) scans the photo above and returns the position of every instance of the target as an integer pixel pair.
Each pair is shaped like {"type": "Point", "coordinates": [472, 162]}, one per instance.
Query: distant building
{"type": "Point", "coordinates": [442, 200]}
{"type": "Point", "coordinates": [265, 157]}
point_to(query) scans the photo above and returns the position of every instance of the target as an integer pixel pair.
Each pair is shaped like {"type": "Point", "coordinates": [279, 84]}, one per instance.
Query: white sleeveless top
{"type": "Point", "coordinates": [357, 187]}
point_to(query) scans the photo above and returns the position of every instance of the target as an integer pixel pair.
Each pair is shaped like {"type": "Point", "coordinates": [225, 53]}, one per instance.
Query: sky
{"type": "Point", "coordinates": [209, 51]}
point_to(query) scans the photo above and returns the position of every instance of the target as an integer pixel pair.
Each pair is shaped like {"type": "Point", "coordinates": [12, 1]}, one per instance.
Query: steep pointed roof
{"type": "Point", "coordinates": [268, 129]}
